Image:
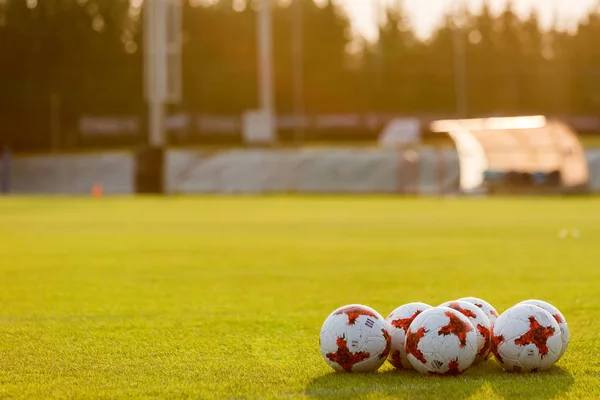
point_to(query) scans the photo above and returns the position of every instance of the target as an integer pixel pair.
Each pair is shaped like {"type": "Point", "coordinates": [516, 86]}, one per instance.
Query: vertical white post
{"type": "Point", "coordinates": [460, 71]}
{"type": "Point", "coordinates": [298, 69]}
{"type": "Point", "coordinates": [174, 45]}
{"type": "Point", "coordinates": [379, 13]}
{"type": "Point", "coordinates": [155, 40]}
{"type": "Point", "coordinates": [265, 62]}
{"type": "Point", "coordinates": [156, 123]}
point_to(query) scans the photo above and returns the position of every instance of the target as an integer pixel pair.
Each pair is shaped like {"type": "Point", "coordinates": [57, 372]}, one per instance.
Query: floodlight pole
{"type": "Point", "coordinates": [379, 19]}
{"type": "Point", "coordinates": [155, 40]}
{"type": "Point", "coordinates": [460, 72]}
{"type": "Point", "coordinates": [298, 70]}
{"type": "Point", "coordinates": [265, 61]}
{"type": "Point", "coordinates": [156, 123]}
{"type": "Point", "coordinates": [162, 85]}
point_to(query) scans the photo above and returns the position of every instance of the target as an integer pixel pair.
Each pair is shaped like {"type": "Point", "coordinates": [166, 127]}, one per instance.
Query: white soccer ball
{"type": "Point", "coordinates": [480, 322]}
{"type": "Point", "coordinates": [526, 338]}
{"type": "Point", "coordinates": [399, 320]}
{"type": "Point", "coordinates": [562, 322]}
{"type": "Point", "coordinates": [575, 233]}
{"type": "Point", "coordinates": [487, 308]}
{"type": "Point", "coordinates": [441, 341]}
{"type": "Point", "coordinates": [355, 338]}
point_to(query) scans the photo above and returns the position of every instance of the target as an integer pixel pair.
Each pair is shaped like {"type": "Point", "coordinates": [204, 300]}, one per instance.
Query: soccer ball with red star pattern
{"type": "Point", "coordinates": [441, 341]}
{"type": "Point", "coordinates": [355, 338]}
{"type": "Point", "coordinates": [399, 320]}
{"type": "Point", "coordinates": [526, 338]}
{"type": "Point", "coordinates": [445, 340]}
{"type": "Point", "coordinates": [480, 322]}
{"type": "Point", "coordinates": [562, 322]}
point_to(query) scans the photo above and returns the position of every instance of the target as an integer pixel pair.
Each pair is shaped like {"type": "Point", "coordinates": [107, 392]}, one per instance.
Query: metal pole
{"type": "Point", "coordinates": [379, 82]}
{"type": "Point", "coordinates": [298, 70]}
{"type": "Point", "coordinates": [460, 72]}
{"type": "Point", "coordinates": [155, 33]}
{"type": "Point", "coordinates": [156, 123]}
{"type": "Point", "coordinates": [265, 61]}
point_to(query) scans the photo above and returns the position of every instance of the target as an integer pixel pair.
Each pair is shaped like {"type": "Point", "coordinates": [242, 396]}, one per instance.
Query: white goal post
{"type": "Point", "coordinates": [162, 61]}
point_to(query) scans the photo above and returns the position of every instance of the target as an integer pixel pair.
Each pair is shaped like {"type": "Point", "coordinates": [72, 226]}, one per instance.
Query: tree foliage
{"type": "Point", "coordinates": [89, 54]}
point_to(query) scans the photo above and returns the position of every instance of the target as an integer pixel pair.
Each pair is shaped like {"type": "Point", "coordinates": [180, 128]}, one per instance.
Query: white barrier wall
{"type": "Point", "coordinates": [72, 173]}
{"type": "Point", "coordinates": [593, 157]}
{"type": "Point", "coordinates": [350, 170]}
{"type": "Point", "coordinates": [308, 171]}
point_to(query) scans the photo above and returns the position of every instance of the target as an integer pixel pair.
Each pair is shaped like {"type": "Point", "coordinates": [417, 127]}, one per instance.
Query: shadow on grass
{"type": "Point", "coordinates": [544, 385]}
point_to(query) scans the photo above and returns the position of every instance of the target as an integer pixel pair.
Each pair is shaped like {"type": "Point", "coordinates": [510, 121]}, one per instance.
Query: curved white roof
{"type": "Point", "coordinates": [524, 144]}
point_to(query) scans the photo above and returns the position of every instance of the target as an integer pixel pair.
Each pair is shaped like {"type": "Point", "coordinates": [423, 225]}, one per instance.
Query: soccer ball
{"type": "Point", "coordinates": [562, 322]}
{"type": "Point", "coordinates": [480, 322]}
{"type": "Point", "coordinates": [487, 308]}
{"type": "Point", "coordinates": [399, 320]}
{"type": "Point", "coordinates": [441, 341]}
{"type": "Point", "coordinates": [526, 338]}
{"type": "Point", "coordinates": [355, 338]}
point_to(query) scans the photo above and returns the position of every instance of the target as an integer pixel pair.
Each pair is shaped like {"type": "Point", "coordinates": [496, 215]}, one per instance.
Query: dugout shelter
{"type": "Point", "coordinates": [529, 154]}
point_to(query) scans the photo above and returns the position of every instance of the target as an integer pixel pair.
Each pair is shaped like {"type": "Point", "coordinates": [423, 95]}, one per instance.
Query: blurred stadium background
{"type": "Point", "coordinates": [230, 96]}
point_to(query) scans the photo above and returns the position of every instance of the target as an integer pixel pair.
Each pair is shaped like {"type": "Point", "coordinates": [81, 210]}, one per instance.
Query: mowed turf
{"type": "Point", "coordinates": [225, 297]}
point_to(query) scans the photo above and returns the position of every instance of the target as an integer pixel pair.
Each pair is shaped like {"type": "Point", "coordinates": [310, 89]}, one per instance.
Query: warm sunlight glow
{"type": "Point", "coordinates": [426, 15]}
{"type": "Point", "coordinates": [482, 124]}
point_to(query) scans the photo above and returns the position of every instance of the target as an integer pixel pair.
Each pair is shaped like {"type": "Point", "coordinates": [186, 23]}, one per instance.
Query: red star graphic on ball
{"type": "Point", "coordinates": [412, 343]}
{"type": "Point", "coordinates": [404, 323]}
{"type": "Point", "coordinates": [453, 368]}
{"type": "Point", "coordinates": [456, 327]}
{"type": "Point", "coordinates": [466, 313]}
{"type": "Point", "coordinates": [537, 335]}
{"type": "Point", "coordinates": [496, 341]}
{"type": "Point", "coordinates": [558, 318]}
{"type": "Point", "coordinates": [395, 360]}
{"type": "Point", "coordinates": [485, 332]}
{"type": "Point", "coordinates": [344, 357]}
{"type": "Point", "coordinates": [354, 312]}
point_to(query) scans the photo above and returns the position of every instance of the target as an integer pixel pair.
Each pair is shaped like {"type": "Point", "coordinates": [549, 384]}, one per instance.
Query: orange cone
{"type": "Point", "coordinates": [97, 190]}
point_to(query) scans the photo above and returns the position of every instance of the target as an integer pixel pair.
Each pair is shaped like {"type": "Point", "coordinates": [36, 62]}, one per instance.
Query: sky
{"type": "Point", "coordinates": [426, 14]}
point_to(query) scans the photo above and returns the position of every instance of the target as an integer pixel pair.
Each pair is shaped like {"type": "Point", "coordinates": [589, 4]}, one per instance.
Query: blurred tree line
{"type": "Point", "coordinates": [85, 57]}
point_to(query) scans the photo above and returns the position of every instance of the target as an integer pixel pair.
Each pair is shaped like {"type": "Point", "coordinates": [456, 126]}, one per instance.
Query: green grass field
{"type": "Point", "coordinates": [225, 297]}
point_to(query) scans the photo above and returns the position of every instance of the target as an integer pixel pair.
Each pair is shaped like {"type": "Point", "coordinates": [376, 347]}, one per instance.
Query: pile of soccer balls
{"type": "Point", "coordinates": [445, 340]}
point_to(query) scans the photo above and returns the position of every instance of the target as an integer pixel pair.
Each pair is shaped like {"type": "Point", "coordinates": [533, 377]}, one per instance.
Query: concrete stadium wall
{"type": "Point", "coordinates": [593, 157]}
{"type": "Point", "coordinates": [72, 174]}
{"type": "Point", "coordinates": [350, 170]}
{"type": "Point", "coordinates": [307, 171]}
